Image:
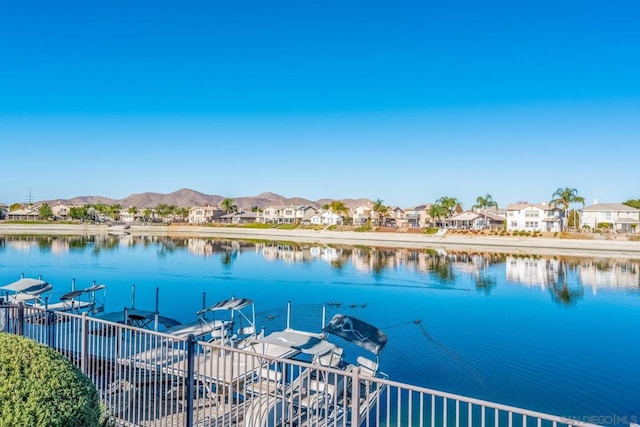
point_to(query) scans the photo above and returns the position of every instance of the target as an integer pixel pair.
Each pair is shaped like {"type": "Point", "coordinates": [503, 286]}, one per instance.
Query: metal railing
{"type": "Point", "coordinates": [147, 378]}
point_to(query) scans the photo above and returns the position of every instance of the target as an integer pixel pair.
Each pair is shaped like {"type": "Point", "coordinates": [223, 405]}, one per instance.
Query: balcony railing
{"type": "Point", "coordinates": [147, 378]}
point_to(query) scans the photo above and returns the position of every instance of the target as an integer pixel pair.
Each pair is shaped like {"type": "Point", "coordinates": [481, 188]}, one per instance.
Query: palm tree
{"type": "Point", "coordinates": [337, 207]}
{"type": "Point", "coordinates": [484, 203]}
{"type": "Point", "coordinates": [381, 211]}
{"type": "Point", "coordinates": [133, 211]}
{"type": "Point", "coordinates": [147, 214]}
{"type": "Point", "coordinates": [183, 213]}
{"type": "Point", "coordinates": [437, 211]}
{"type": "Point", "coordinates": [114, 211]}
{"type": "Point", "coordinates": [449, 203]}
{"type": "Point", "coordinates": [164, 210]}
{"type": "Point", "coordinates": [563, 197]}
{"type": "Point", "coordinates": [228, 206]}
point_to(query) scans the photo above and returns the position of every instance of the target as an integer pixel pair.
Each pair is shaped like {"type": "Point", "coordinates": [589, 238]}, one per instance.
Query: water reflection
{"type": "Point", "coordinates": [564, 278]}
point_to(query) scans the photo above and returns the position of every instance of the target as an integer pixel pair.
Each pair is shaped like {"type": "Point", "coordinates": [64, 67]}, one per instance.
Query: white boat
{"type": "Point", "coordinates": [226, 316]}
{"type": "Point", "coordinates": [317, 396]}
{"type": "Point", "coordinates": [26, 290]}
{"type": "Point", "coordinates": [78, 300]}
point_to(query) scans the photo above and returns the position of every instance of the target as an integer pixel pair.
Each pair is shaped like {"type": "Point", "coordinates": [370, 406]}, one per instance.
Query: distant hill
{"type": "Point", "coordinates": [186, 198]}
{"type": "Point", "coordinates": [183, 198]}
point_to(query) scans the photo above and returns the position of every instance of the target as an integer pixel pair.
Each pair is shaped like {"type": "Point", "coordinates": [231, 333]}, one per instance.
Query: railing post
{"type": "Point", "coordinates": [84, 343]}
{"type": "Point", "coordinates": [355, 397]}
{"type": "Point", "coordinates": [190, 379]}
{"type": "Point", "coordinates": [20, 325]}
{"type": "Point", "coordinates": [7, 312]}
{"type": "Point", "coordinates": [48, 323]}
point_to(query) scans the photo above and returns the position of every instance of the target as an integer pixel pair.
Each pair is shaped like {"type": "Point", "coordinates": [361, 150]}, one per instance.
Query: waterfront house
{"type": "Point", "coordinates": [60, 211]}
{"type": "Point", "coordinates": [417, 216]}
{"type": "Point", "coordinates": [326, 218]}
{"type": "Point", "coordinates": [131, 217]}
{"type": "Point", "coordinates": [474, 220]}
{"type": "Point", "coordinates": [534, 217]}
{"type": "Point", "coordinates": [290, 214]}
{"type": "Point", "coordinates": [396, 218]}
{"type": "Point", "coordinates": [24, 214]}
{"type": "Point", "coordinates": [617, 217]}
{"type": "Point", "coordinates": [362, 214]}
{"type": "Point", "coordinates": [204, 214]}
{"type": "Point", "coordinates": [241, 217]}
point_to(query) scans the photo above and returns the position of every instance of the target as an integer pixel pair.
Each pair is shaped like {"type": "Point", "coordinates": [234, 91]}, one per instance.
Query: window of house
{"type": "Point", "coordinates": [514, 224]}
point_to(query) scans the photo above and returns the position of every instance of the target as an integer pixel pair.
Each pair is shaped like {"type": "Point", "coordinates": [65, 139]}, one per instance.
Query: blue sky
{"type": "Point", "coordinates": [405, 102]}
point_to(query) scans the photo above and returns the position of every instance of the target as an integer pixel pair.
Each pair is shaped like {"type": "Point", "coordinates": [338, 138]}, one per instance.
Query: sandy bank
{"type": "Point", "coordinates": [473, 243]}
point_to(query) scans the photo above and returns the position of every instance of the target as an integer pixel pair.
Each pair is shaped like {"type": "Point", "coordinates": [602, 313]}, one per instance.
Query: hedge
{"type": "Point", "coordinates": [39, 387]}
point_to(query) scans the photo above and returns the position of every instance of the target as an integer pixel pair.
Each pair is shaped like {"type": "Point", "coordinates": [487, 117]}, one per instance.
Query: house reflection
{"type": "Point", "coordinates": [532, 271]}
{"type": "Point", "coordinates": [610, 273]}
{"type": "Point", "coordinates": [563, 277]}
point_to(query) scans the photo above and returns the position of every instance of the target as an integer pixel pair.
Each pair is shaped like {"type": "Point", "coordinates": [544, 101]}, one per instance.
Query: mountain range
{"type": "Point", "coordinates": [186, 198]}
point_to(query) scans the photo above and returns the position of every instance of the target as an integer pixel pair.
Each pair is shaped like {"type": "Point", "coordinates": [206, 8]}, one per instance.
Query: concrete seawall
{"type": "Point", "coordinates": [474, 243]}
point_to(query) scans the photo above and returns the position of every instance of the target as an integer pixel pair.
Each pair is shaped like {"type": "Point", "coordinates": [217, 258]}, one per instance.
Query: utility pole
{"type": "Point", "coordinates": [29, 198]}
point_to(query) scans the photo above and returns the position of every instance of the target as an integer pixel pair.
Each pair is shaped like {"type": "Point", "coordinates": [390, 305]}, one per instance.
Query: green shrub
{"type": "Point", "coordinates": [431, 230]}
{"type": "Point", "coordinates": [362, 228]}
{"type": "Point", "coordinates": [39, 387]}
{"type": "Point", "coordinates": [257, 225]}
{"type": "Point", "coordinates": [287, 226]}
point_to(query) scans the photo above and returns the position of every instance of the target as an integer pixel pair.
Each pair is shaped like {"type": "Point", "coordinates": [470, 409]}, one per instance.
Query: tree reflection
{"type": "Point", "coordinates": [561, 292]}
{"type": "Point", "coordinates": [485, 283]}
{"type": "Point", "coordinates": [228, 257]}
{"type": "Point", "coordinates": [441, 268]}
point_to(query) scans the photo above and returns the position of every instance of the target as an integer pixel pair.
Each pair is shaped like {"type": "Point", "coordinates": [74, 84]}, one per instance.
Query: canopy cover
{"type": "Point", "coordinates": [27, 285]}
{"type": "Point", "coordinates": [358, 332]}
{"type": "Point", "coordinates": [230, 304]}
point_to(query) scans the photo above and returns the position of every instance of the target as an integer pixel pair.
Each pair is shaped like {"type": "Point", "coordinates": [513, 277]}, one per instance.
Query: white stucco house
{"type": "Point", "coordinates": [361, 214]}
{"type": "Point", "coordinates": [418, 216]}
{"type": "Point", "coordinates": [290, 214]}
{"type": "Point", "coordinates": [616, 216]}
{"type": "Point", "coordinates": [204, 214]}
{"type": "Point", "coordinates": [534, 217]}
{"type": "Point", "coordinates": [60, 211]}
{"type": "Point", "coordinates": [326, 218]}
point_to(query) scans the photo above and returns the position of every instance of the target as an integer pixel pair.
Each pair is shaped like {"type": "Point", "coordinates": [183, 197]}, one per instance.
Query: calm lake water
{"type": "Point", "coordinates": [554, 334]}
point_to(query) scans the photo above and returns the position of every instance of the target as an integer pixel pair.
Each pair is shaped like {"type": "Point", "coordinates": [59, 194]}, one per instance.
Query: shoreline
{"type": "Point", "coordinates": [466, 243]}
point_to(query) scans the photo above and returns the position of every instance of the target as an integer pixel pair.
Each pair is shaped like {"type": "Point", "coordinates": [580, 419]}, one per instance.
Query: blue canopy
{"type": "Point", "coordinates": [358, 332]}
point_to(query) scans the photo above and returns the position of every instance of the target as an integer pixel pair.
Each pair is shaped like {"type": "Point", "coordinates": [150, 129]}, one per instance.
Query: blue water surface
{"type": "Point", "coordinates": [553, 334]}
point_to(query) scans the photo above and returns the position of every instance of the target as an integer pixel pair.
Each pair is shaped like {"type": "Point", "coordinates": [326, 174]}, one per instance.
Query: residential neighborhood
{"type": "Point", "coordinates": [445, 213]}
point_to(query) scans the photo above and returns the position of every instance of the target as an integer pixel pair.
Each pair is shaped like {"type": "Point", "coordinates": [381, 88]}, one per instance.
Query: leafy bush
{"type": "Point", "coordinates": [431, 230]}
{"type": "Point", "coordinates": [287, 226]}
{"type": "Point", "coordinates": [39, 387]}
{"type": "Point", "coordinates": [257, 225]}
{"type": "Point", "coordinates": [363, 228]}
